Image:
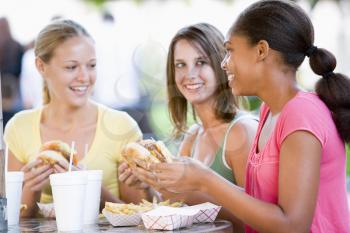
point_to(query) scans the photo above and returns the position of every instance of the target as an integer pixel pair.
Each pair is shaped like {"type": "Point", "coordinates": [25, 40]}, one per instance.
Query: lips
{"type": "Point", "coordinates": [79, 89]}
{"type": "Point", "coordinates": [194, 86]}
{"type": "Point", "coordinates": [231, 78]}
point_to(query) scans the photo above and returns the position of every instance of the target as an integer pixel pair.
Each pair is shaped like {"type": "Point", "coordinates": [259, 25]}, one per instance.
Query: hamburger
{"type": "Point", "coordinates": [53, 151]}
{"type": "Point", "coordinates": [146, 152]}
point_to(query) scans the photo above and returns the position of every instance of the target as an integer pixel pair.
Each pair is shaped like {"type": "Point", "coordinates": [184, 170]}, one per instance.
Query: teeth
{"type": "Point", "coordinates": [231, 77]}
{"type": "Point", "coordinates": [194, 86]}
{"type": "Point", "coordinates": [81, 88]}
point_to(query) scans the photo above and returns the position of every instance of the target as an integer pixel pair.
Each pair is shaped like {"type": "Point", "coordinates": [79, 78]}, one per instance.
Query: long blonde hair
{"type": "Point", "coordinates": [50, 37]}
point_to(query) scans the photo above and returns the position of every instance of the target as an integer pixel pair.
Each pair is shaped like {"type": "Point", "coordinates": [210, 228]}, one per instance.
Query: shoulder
{"type": "Point", "coordinates": [110, 115]}
{"type": "Point", "coordinates": [305, 112]}
{"type": "Point", "coordinates": [24, 118]}
{"type": "Point", "coordinates": [191, 134]}
{"type": "Point", "coordinates": [189, 138]}
{"type": "Point", "coordinates": [307, 104]}
{"type": "Point", "coordinates": [243, 122]}
{"type": "Point", "coordinates": [242, 132]}
{"type": "Point", "coordinates": [305, 108]}
{"type": "Point", "coordinates": [22, 128]}
{"type": "Point", "coordinates": [117, 122]}
{"type": "Point", "coordinates": [192, 131]}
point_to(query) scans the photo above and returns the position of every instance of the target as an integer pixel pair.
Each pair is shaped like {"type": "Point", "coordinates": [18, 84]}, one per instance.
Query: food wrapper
{"type": "Point", "coordinates": [207, 212]}
{"type": "Point", "coordinates": [47, 210]}
{"type": "Point", "coordinates": [122, 219]}
{"type": "Point", "coordinates": [168, 218]}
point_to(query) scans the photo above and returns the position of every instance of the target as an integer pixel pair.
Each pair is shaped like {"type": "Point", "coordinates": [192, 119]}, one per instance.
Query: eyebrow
{"type": "Point", "coordinates": [75, 61]}
{"type": "Point", "coordinates": [200, 57]}
{"type": "Point", "coordinates": [70, 61]}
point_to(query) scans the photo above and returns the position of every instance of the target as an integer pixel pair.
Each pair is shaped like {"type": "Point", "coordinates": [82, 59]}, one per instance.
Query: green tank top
{"type": "Point", "coordinates": [219, 164]}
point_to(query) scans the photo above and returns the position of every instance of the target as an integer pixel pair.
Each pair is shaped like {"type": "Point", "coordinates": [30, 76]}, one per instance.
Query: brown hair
{"type": "Point", "coordinates": [210, 41]}
{"type": "Point", "coordinates": [288, 30]}
{"type": "Point", "coordinates": [49, 38]}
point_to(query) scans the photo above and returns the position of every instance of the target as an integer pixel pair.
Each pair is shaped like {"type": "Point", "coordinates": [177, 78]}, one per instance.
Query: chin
{"type": "Point", "coordinates": [79, 103]}
{"type": "Point", "coordinates": [236, 92]}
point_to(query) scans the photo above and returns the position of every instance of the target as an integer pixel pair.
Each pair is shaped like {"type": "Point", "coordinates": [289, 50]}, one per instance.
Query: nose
{"type": "Point", "coordinates": [83, 74]}
{"type": "Point", "coordinates": [223, 63]}
{"type": "Point", "coordinates": [193, 72]}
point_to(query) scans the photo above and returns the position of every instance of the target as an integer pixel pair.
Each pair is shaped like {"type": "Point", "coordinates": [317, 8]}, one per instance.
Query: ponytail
{"type": "Point", "coordinates": [333, 88]}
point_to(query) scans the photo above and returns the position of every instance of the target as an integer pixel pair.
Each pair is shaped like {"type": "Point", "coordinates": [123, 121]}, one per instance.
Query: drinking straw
{"type": "Point", "coordinates": [71, 156]}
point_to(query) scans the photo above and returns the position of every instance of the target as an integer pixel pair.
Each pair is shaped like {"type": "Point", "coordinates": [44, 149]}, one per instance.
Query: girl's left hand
{"type": "Point", "coordinates": [182, 175]}
{"type": "Point", "coordinates": [63, 166]}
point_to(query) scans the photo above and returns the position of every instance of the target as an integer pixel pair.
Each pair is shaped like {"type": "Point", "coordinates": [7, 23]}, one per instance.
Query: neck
{"type": "Point", "coordinates": [67, 117]}
{"type": "Point", "coordinates": [281, 89]}
{"type": "Point", "coordinates": [207, 116]}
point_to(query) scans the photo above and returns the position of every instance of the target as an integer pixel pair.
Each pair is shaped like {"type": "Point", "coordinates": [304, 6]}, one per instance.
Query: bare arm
{"type": "Point", "coordinates": [130, 188]}
{"type": "Point", "coordinates": [34, 181]}
{"type": "Point", "coordinates": [299, 169]}
{"type": "Point", "coordinates": [300, 157]}
{"type": "Point", "coordinates": [236, 154]}
{"type": "Point", "coordinates": [238, 145]}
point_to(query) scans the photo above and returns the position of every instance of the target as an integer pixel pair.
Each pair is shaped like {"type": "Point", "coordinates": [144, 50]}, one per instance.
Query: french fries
{"type": "Point", "coordinates": [167, 203]}
{"type": "Point", "coordinates": [126, 209]}
{"type": "Point", "coordinates": [130, 209]}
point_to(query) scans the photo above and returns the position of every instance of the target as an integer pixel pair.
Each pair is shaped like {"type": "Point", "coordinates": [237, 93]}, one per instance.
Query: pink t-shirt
{"type": "Point", "coordinates": [308, 113]}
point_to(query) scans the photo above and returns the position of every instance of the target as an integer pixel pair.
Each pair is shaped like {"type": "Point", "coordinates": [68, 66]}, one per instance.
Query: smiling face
{"type": "Point", "coordinates": [194, 76]}
{"type": "Point", "coordinates": [70, 74]}
{"type": "Point", "coordinates": [241, 65]}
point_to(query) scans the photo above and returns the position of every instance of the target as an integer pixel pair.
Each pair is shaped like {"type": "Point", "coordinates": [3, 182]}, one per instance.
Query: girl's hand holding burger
{"type": "Point", "coordinates": [57, 154]}
{"type": "Point", "coordinates": [36, 176]}
{"type": "Point", "coordinates": [141, 154]}
{"type": "Point", "coordinates": [182, 175]}
{"type": "Point", "coordinates": [126, 176]}
{"type": "Point", "coordinates": [63, 166]}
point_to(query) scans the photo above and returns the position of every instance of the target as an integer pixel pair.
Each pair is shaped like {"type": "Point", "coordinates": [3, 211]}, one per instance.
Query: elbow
{"type": "Point", "coordinates": [296, 227]}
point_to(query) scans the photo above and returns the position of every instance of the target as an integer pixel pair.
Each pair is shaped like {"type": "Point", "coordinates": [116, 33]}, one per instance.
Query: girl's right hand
{"type": "Point", "coordinates": [182, 175]}
{"type": "Point", "coordinates": [126, 176]}
{"type": "Point", "coordinates": [36, 177]}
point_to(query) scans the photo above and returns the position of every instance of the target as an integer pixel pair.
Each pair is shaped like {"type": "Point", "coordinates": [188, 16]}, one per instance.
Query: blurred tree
{"type": "Point", "coordinates": [314, 2]}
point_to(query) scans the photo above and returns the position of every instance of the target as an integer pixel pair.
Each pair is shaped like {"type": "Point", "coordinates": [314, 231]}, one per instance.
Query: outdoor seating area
{"type": "Point", "coordinates": [175, 116]}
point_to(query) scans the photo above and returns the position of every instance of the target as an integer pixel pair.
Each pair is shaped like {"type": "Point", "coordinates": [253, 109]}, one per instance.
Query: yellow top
{"type": "Point", "coordinates": [113, 130]}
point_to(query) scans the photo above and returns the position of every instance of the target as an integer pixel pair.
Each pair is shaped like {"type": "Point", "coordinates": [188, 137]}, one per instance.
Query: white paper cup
{"type": "Point", "coordinates": [69, 190]}
{"type": "Point", "coordinates": [93, 195]}
{"type": "Point", "coordinates": [14, 182]}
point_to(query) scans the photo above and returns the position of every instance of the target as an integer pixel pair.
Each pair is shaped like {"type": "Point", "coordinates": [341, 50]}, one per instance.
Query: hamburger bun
{"type": "Point", "coordinates": [146, 152]}
{"type": "Point", "coordinates": [54, 151]}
